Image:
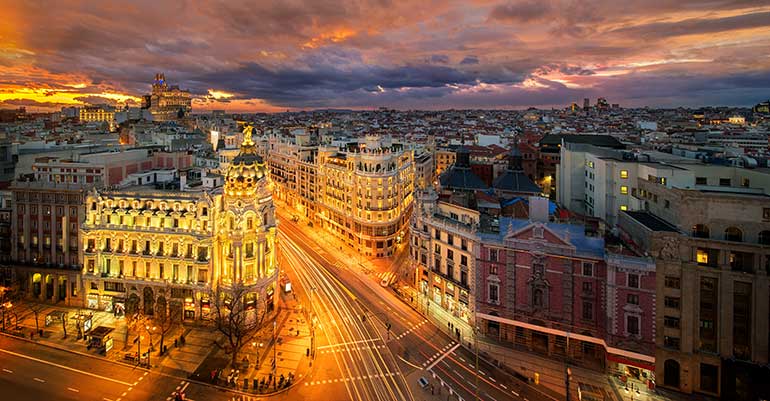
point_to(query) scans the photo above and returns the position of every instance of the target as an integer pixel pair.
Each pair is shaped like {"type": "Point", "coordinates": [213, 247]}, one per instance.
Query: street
{"type": "Point", "coordinates": [420, 349]}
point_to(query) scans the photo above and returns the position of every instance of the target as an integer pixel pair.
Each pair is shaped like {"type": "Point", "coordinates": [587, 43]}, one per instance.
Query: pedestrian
{"type": "Point", "coordinates": [176, 343]}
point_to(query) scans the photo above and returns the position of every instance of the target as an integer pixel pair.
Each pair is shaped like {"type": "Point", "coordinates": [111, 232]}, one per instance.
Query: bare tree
{"type": "Point", "coordinates": [36, 308]}
{"type": "Point", "coordinates": [238, 315]}
{"type": "Point", "coordinates": [164, 321]}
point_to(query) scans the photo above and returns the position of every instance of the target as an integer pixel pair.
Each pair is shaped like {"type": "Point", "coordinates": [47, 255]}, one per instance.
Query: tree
{"type": "Point", "coordinates": [36, 309]}
{"type": "Point", "coordinates": [238, 315]}
{"type": "Point", "coordinates": [163, 319]}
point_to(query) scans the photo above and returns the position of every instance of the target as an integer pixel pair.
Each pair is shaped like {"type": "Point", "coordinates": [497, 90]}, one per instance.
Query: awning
{"type": "Point", "coordinates": [631, 362]}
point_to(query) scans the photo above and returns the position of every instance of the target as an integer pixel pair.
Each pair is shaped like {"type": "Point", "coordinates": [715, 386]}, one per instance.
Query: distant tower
{"type": "Point", "coordinates": [586, 104]}
{"type": "Point", "coordinates": [159, 84]}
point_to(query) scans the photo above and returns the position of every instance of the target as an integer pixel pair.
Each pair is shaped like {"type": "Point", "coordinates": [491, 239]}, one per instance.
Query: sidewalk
{"type": "Point", "coordinates": [289, 348]}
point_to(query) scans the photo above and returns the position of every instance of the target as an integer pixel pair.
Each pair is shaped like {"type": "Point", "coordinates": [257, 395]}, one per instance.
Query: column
{"type": "Point", "coordinates": [56, 288]}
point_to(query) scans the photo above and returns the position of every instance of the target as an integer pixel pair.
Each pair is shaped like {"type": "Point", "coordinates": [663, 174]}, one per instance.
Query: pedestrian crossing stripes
{"type": "Point", "coordinates": [411, 329]}
{"type": "Point", "coordinates": [349, 379]}
{"type": "Point", "coordinates": [243, 397]}
{"type": "Point", "coordinates": [438, 354]}
{"type": "Point", "coordinates": [351, 348]}
{"type": "Point", "coordinates": [387, 278]}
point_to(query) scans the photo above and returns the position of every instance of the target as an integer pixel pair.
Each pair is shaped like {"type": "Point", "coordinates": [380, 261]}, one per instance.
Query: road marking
{"type": "Point", "coordinates": [184, 387]}
{"type": "Point", "coordinates": [124, 394]}
{"type": "Point", "coordinates": [38, 380]}
{"type": "Point", "coordinates": [487, 394]}
{"type": "Point", "coordinates": [7, 371]}
{"type": "Point", "coordinates": [515, 393]}
{"type": "Point", "coordinates": [442, 357]}
{"type": "Point", "coordinates": [74, 390]}
{"type": "Point", "coordinates": [106, 399]}
{"type": "Point", "coordinates": [348, 343]}
{"type": "Point", "coordinates": [408, 363]}
{"type": "Point", "coordinates": [503, 386]}
{"type": "Point", "coordinates": [65, 367]}
{"type": "Point", "coordinates": [469, 382]}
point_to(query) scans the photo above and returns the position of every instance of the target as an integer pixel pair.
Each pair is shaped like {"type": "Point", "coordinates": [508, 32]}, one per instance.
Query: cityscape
{"type": "Point", "coordinates": [553, 200]}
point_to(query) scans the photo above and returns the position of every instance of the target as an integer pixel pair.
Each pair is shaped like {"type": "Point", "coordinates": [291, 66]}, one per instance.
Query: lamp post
{"type": "Point", "coordinates": [275, 356]}
{"type": "Point", "coordinates": [312, 326]}
{"type": "Point", "coordinates": [149, 350]}
{"type": "Point", "coordinates": [476, 373]}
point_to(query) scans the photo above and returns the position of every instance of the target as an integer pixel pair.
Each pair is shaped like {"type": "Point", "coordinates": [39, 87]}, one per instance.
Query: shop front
{"type": "Point", "coordinates": [205, 307]}
{"type": "Point", "coordinates": [92, 301]}
{"type": "Point", "coordinates": [189, 309]}
{"type": "Point", "coordinates": [630, 370]}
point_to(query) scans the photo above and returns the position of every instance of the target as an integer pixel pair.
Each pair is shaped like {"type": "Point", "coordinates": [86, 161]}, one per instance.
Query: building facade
{"type": "Point", "coordinates": [365, 193]}
{"type": "Point", "coordinates": [165, 102]}
{"type": "Point", "coordinates": [713, 291]}
{"type": "Point", "coordinates": [45, 246]}
{"type": "Point", "coordinates": [97, 114]}
{"type": "Point", "coordinates": [443, 248]}
{"type": "Point", "coordinates": [144, 247]}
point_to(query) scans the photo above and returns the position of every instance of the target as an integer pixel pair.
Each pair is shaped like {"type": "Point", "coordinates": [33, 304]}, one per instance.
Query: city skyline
{"type": "Point", "coordinates": [311, 55]}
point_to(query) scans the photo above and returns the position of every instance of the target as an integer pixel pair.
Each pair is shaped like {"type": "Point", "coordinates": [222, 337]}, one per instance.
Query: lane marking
{"type": "Point", "coordinates": [74, 390]}
{"type": "Point", "coordinates": [408, 363]}
{"type": "Point", "coordinates": [348, 343]}
{"type": "Point", "coordinates": [106, 399]}
{"type": "Point", "coordinates": [7, 371]}
{"type": "Point", "coordinates": [38, 380]}
{"type": "Point", "coordinates": [65, 367]}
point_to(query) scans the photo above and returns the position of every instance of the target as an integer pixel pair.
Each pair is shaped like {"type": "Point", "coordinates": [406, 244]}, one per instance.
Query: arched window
{"type": "Point", "coordinates": [764, 237]}
{"type": "Point", "coordinates": [700, 231]}
{"type": "Point", "coordinates": [671, 373]}
{"type": "Point", "coordinates": [733, 234]}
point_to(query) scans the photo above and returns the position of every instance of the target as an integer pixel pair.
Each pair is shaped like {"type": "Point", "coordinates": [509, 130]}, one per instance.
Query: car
{"type": "Point", "coordinates": [384, 282]}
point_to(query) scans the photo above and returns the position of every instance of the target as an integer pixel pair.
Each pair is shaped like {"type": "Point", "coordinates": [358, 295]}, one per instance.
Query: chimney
{"type": "Point", "coordinates": [538, 209]}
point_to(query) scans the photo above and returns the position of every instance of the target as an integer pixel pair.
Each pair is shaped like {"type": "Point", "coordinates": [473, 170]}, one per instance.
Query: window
{"type": "Point", "coordinates": [450, 255]}
{"type": "Point", "coordinates": [701, 181]}
{"type": "Point", "coordinates": [493, 293]}
{"type": "Point", "coordinates": [588, 287]}
{"type": "Point", "coordinates": [464, 244]}
{"type": "Point", "coordinates": [733, 234]}
{"type": "Point", "coordinates": [623, 173]}
{"type": "Point", "coordinates": [671, 302]}
{"type": "Point", "coordinates": [632, 325]}
{"type": "Point", "coordinates": [493, 255]}
{"type": "Point", "coordinates": [671, 322]}
{"type": "Point", "coordinates": [632, 299]}
{"type": "Point", "coordinates": [203, 276]}
{"type": "Point", "coordinates": [724, 182]}
{"type": "Point", "coordinates": [588, 310]}
{"type": "Point", "coordinates": [588, 269]}
{"type": "Point", "coordinates": [709, 378]}
{"type": "Point", "coordinates": [624, 190]}
{"type": "Point", "coordinates": [706, 257]}
{"type": "Point", "coordinates": [493, 269]}
{"type": "Point", "coordinates": [672, 282]}
{"type": "Point", "coordinates": [623, 207]}
{"type": "Point", "coordinates": [671, 342]}
{"type": "Point", "coordinates": [633, 280]}
{"type": "Point", "coordinates": [450, 239]}
{"type": "Point", "coordinates": [766, 214]}
{"type": "Point", "coordinates": [463, 260]}
{"type": "Point", "coordinates": [114, 286]}
{"type": "Point", "coordinates": [437, 248]}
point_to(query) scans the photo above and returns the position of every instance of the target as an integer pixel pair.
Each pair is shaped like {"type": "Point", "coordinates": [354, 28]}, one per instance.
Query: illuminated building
{"type": "Point", "coordinates": [144, 246]}
{"type": "Point", "coordinates": [167, 103]}
{"type": "Point", "coordinates": [97, 114]}
{"type": "Point", "coordinates": [443, 246]}
{"type": "Point", "coordinates": [365, 193]}
{"type": "Point", "coordinates": [444, 158]}
{"type": "Point", "coordinates": [293, 170]}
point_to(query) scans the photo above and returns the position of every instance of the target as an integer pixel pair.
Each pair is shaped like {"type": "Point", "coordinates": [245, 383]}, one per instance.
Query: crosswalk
{"type": "Point", "coordinates": [387, 278]}
{"type": "Point", "coordinates": [411, 329]}
{"type": "Point", "coordinates": [349, 379]}
{"type": "Point", "coordinates": [438, 355]}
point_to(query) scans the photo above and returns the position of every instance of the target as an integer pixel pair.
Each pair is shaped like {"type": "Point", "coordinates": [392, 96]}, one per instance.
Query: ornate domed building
{"type": "Point", "coordinates": [188, 251]}
{"type": "Point", "coordinates": [244, 243]}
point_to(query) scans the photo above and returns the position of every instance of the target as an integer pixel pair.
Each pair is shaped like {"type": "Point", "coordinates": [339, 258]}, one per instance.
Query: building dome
{"type": "Point", "coordinates": [247, 170]}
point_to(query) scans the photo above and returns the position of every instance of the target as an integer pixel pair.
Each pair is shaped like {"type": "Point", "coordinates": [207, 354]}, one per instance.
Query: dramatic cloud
{"type": "Point", "coordinates": [278, 55]}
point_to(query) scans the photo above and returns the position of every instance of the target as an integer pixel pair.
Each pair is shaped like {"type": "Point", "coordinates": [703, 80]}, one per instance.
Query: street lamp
{"type": "Point", "coordinates": [275, 356]}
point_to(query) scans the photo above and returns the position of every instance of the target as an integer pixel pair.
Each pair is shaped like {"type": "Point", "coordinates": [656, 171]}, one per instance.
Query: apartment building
{"type": "Point", "coordinates": [293, 170]}
{"type": "Point", "coordinates": [443, 248]}
{"type": "Point", "coordinates": [365, 193]}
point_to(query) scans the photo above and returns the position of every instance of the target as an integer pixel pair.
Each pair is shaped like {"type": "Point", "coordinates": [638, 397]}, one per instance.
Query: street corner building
{"type": "Point", "coordinates": [147, 244]}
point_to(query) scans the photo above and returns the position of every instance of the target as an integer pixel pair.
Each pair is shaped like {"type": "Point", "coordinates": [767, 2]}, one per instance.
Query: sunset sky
{"type": "Point", "coordinates": [422, 54]}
